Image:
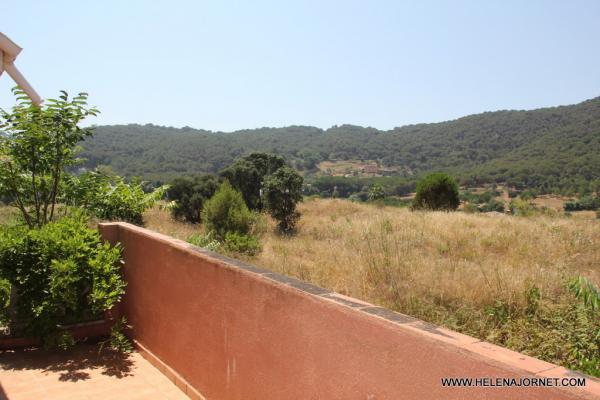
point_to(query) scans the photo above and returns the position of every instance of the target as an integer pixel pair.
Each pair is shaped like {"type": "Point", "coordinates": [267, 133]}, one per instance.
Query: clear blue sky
{"type": "Point", "coordinates": [225, 65]}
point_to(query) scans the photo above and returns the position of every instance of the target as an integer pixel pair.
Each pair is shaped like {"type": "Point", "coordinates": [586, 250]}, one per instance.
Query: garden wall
{"type": "Point", "coordinates": [230, 330]}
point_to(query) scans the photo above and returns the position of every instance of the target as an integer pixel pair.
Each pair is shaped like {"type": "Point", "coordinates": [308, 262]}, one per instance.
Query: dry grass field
{"type": "Point", "coordinates": [497, 277]}
{"type": "Point", "coordinates": [357, 248]}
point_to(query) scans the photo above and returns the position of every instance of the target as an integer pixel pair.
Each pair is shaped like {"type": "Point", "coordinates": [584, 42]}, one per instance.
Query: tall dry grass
{"type": "Point", "coordinates": [394, 254]}
{"type": "Point", "coordinates": [159, 219]}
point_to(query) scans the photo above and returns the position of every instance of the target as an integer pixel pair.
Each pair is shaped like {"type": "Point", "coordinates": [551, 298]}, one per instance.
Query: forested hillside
{"type": "Point", "coordinates": [553, 149]}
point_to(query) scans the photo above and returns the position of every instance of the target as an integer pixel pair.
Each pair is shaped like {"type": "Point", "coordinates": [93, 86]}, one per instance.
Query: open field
{"type": "Point", "coordinates": [496, 277]}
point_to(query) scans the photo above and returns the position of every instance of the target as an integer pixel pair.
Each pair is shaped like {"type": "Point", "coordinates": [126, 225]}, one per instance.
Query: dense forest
{"type": "Point", "coordinates": [551, 149]}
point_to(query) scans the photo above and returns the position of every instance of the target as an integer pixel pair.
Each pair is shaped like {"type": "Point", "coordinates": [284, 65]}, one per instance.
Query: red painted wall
{"type": "Point", "coordinates": [236, 332]}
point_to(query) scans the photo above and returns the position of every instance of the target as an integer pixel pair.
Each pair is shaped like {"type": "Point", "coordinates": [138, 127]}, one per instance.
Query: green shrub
{"type": "Point", "coordinates": [281, 192]}
{"type": "Point", "coordinates": [521, 208]}
{"type": "Point", "coordinates": [376, 192]}
{"type": "Point", "coordinates": [437, 191]}
{"type": "Point", "coordinates": [117, 340]}
{"type": "Point", "coordinates": [4, 300]}
{"type": "Point", "coordinates": [528, 195]}
{"type": "Point", "coordinates": [189, 195]}
{"type": "Point", "coordinates": [62, 273]}
{"type": "Point", "coordinates": [241, 243]}
{"type": "Point", "coordinates": [110, 198]}
{"type": "Point", "coordinates": [586, 291]}
{"type": "Point", "coordinates": [208, 241]}
{"type": "Point", "coordinates": [584, 203]}
{"type": "Point", "coordinates": [226, 212]}
{"type": "Point", "coordinates": [493, 205]}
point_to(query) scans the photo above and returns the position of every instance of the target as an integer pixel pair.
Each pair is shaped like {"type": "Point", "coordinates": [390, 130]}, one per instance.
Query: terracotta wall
{"type": "Point", "coordinates": [234, 331]}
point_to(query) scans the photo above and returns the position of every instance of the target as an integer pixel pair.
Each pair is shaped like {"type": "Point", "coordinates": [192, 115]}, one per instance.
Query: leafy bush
{"type": "Point", "coordinates": [111, 198]}
{"type": "Point", "coordinates": [528, 195]}
{"type": "Point", "coordinates": [117, 340]}
{"type": "Point", "coordinates": [208, 241]}
{"type": "Point", "coordinates": [493, 205]}
{"type": "Point", "coordinates": [124, 202]}
{"type": "Point", "coordinates": [189, 195]}
{"type": "Point", "coordinates": [437, 191]}
{"type": "Point", "coordinates": [226, 212]}
{"type": "Point", "coordinates": [376, 192]}
{"type": "Point", "coordinates": [62, 273]}
{"type": "Point", "coordinates": [585, 290]}
{"type": "Point", "coordinates": [282, 191]}
{"type": "Point", "coordinates": [584, 203]}
{"type": "Point", "coordinates": [521, 208]}
{"type": "Point", "coordinates": [4, 300]}
{"type": "Point", "coordinates": [241, 243]}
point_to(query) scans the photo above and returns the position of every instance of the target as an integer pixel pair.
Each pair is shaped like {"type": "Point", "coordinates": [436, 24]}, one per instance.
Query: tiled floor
{"type": "Point", "coordinates": [81, 373]}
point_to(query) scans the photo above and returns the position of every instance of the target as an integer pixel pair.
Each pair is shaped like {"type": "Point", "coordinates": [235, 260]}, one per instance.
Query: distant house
{"type": "Point", "coordinates": [372, 169]}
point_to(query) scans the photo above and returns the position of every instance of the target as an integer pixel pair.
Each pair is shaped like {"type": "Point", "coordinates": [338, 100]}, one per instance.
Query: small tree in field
{"type": "Point", "coordinates": [376, 192]}
{"type": "Point", "coordinates": [226, 212]}
{"type": "Point", "coordinates": [437, 191]}
{"type": "Point", "coordinates": [248, 173]}
{"type": "Point", "coordinates": [281, 192]}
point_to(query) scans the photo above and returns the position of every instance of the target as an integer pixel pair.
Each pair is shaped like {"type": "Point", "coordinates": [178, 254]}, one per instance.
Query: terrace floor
{"type": "Point", "coordinates": [81, 373]}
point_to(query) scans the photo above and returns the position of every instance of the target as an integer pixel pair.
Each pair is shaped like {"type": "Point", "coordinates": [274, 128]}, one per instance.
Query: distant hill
{"type": "Point", "coordinates": [553, 149]}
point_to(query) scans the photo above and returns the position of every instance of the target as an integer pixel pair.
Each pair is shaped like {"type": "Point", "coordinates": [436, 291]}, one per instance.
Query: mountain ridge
{"type": "Point", "coordinates": [515, 146]}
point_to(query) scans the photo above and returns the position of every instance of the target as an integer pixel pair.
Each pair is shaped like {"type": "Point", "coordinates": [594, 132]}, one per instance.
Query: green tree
{"type": "Point", "coordinates": [189, 195]}
{"type": "Point", "coordinates": [226, 212]}
{"type": "Point", "coordinates": [37, 146]}
{"type": "Point", "coordinates": [281, 192]}
{"type": "Point", "coordinates": [376, 192]}
{"type": "Point", "coordinates": [248, 173]}
{"type": "Point", "coordinates": [437, 191]}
